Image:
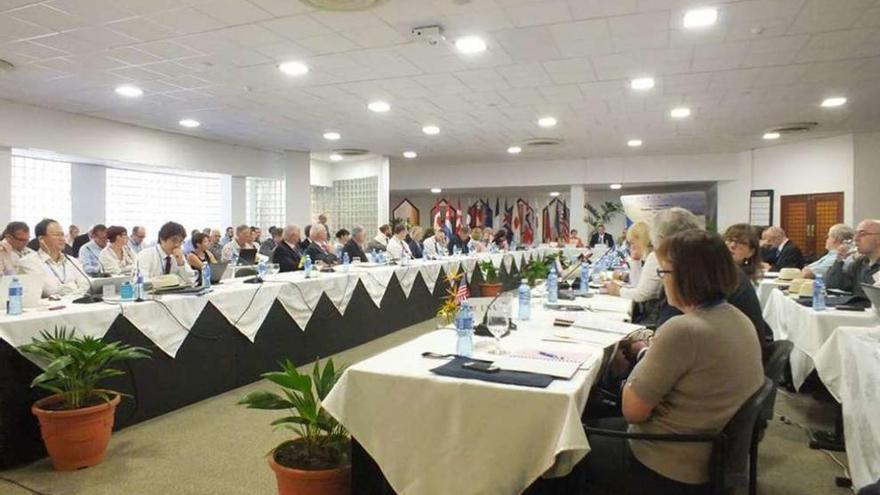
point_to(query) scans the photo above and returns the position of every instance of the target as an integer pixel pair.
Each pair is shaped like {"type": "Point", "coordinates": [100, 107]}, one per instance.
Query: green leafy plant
{"type": "Point", "coordinates": [602, 215]}
{"type": "Point", "coordinates": [74, 365]}
{"type": "Point", "coordinates": [538, 269]}
{"type": "Point", "coordinates": [490, 273]}
{"type": "Point", "coordinates": [322, 442]}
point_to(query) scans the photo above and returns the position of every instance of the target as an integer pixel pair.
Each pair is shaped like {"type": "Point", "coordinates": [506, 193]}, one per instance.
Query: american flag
{"type": "Point", "coordinates": [462, 293]}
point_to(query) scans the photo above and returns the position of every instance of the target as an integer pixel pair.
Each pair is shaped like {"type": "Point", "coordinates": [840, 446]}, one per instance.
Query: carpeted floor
{"type": "Point", "coordinates": [215, 447]}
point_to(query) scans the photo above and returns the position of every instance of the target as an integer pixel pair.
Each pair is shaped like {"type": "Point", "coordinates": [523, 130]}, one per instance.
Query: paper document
{"type": "Point", "coordinates": [591, 321]}
{"type": "Point", "coordinates": [556, 368]}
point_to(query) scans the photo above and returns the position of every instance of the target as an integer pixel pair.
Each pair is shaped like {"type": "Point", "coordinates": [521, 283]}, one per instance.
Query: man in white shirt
{"type": "Point", "coordinates": [90, 253]}
{"type": "Point", "coordinates": [435, 246]}
{"type": "Point", "coordinates": [13, 247]}
{"type": "Point", "coordinates": [61, 274]}
{"type": "Point", "coordinates": [166, 257]}
{"type": "Point", "coordinates": [136, 239]}
{"type": "Point", "coordinates": [397, 245]}
{"type": "Point", "coordinates": [380, 242]}
{"type": "Point", "coordinates": [243, 240]}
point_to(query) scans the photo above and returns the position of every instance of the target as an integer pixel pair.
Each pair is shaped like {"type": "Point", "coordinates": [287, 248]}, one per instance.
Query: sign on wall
{"type": "Point", "coordinates": [642, 207]}
{"type": "Point", "coordinates": [761, 207]}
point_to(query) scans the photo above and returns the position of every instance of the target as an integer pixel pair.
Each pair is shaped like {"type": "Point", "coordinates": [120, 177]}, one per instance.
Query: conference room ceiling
{"type": "Point", "coordinates": [764, 63]}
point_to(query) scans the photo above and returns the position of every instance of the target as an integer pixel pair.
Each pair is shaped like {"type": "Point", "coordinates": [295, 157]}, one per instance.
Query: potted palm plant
{"type": "Point", "coordinates": [317, 461]}
{"type": "Point", "coordinates": [77, 420]}
{"type": "Point", "coordinates": [491, 284]}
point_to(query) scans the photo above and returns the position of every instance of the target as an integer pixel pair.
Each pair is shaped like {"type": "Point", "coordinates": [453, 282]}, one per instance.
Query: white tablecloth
{"type": "Point", "coordinates": [849, 365]}
{"type": "Point", "coordinates": [439, 435]}
{"type": "Point", "coordinates": [766, 287]}
{"type": "Point", "coordinates": [808, 329]}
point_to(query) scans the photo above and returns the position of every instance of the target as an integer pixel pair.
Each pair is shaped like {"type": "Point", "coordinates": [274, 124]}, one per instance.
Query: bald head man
{"type": "Point", "coordinates": [781, 252]}
{"type": "Point", "coordinates": [865, 267]}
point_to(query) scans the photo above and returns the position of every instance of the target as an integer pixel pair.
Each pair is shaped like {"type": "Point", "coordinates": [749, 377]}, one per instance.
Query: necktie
{"type": "Point", "coordinates": [167, 268]}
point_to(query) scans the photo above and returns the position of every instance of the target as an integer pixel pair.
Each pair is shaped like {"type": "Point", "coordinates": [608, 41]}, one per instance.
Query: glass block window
{"type": "Point", "coordinates": [40, 189]}
{"type": "Point", "coordinates": [137, 197]}
{"type": "Point", "coordinates": [322, 202]}
{"type": "Point", "coordinates": [265, 202]}
{"type": "Point", "coordinates": [354, 203]}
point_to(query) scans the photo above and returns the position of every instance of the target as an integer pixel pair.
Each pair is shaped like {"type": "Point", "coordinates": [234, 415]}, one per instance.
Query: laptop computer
{"type": "Point", "coordinates": [217, 271]}
{"type": "Point", "coordinates": [32, 290]}
{"type": "Point", "coordinates": [873, 294]}
{"type": "Point", "coordinates": [247, 257]}
{"type": "Point", "coordinates": [96, 285]}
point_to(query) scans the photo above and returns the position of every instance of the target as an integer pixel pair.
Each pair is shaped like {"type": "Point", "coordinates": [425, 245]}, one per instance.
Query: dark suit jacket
{"type": "Point", "coordinates": [415, 248]}
{"type": "Point", "coordinates": [354, 251]}
{"type": "Point", "coordinates": [461, 243]}
{"type": "Point", "coordinates": [789, 257]}
{"type": "Point", "coordinates": [80, 241]}
{"type": "Point", "coordinates": [315, 252]}
{"type": "Point", "coordinates": [606, 239]}
{"type": "Point", "coordinates": [304, 244]}
{"type": "Point", "coordinates": [286, 257]}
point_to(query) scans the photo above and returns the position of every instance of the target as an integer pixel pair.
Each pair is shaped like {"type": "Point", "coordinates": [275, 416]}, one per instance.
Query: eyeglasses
{"type": "Point", "coordinates": [662, 273]}
{"type": "Point", "coordinates": [863, 233]}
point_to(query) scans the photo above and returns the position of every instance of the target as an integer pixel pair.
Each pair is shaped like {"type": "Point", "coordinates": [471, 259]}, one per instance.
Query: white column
{"type": "Point", "coordinates": [383, 193]}
{"type": "Point", "coordinates": [6, 187]}
{"type": "Point", "coordinates": [578, 201]}
{"type": "Point", "coordinates": [734, 195]}
{"type": "Point", "coordinates": [866, 176]}
{"type": "Point", "coordinates": [88, 195]}
{"type": "Point", "coordinates": [238, 200]}
{"type": "Point", "coordinates": [297, 184]}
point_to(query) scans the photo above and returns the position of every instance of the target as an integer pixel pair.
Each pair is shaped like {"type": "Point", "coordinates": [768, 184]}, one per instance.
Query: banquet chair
{"type": "Point", "coordinates": [731, 448]}
{"type": "Point", "coordinates": [778, 352]}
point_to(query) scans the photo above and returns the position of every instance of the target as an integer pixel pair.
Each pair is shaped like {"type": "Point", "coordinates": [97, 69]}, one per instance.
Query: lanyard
{"type": "Point", "coordinates": [64, 273]}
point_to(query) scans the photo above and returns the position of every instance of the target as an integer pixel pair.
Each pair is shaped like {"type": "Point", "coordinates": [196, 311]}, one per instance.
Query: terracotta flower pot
{"type": "Point", "coordinates": [488, 289]}
{"type": "Point", "coordinates": [77, 438]}
{"type": "Point", "coordinates": [301, 482]}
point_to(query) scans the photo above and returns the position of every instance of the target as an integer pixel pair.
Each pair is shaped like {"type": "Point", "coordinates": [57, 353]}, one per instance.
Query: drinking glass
{"type": "Point", "coordinates": [109, 291]}
{"type": "Point", "coordinates": [497, 320]}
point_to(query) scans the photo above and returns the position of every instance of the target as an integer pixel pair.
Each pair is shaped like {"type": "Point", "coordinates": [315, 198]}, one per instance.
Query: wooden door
{"type": "Point", "coordinates": [806, 219]}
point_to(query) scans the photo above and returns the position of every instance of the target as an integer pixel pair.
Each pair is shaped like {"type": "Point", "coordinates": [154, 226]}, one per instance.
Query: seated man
{"type": "Point", "coordinates": [435, 246]}
{"type": "Point", "coordinates": [787, 255]}
{"type": "Point", "coordinates": [136, 239]}
{"type": "Point", "coordinates": [397, 245]}
{"type": "Point", "coordinates": [460, 240]}
{"type": "Point", "coordinates": [269, 245]}
{"type": "Point", "coordinates": [243, 240]}
{"type": "Point", "coordinates": [380, 242]}
{"type": "Point", "coordinates": [354, 246]}
{"type": "Point", "coordinates": [864, 269]}
{"type": "Point", "coordinates": [288, 253]}
{"type": "Point", "coordinates": [90, 253]}
{"type": "Point", "coordinates": [215, 246]}
{"type": "Point", "coordinates": [13, 247]}
{"type": "Point", "coordinates": [601, 237]}
{"type": "Point", "coordinates": [61, 274]}
{"type": "Point", "coordinates": [166, 257]}
{"type": "Point", "coordinates": [319, 249]}
{"type": "Point", "coordinates": [838, 235]}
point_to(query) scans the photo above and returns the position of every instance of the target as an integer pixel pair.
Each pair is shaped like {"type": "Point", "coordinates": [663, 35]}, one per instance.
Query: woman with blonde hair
{"type": "Point", "coordinates": [645, 284]}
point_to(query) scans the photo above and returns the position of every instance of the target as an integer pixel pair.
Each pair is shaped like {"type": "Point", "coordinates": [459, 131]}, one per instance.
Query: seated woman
{"type": "Point", "coordinates": [416, 234]}
{"type": "Point", "coordinates": [200, 255]}
{"type": "Point", "coordinates": [117, 258]}
{"type": "Point", "coordinates": [500, 239]}
{"type": "Point", "coordinates": [646, 285]}
{"type": "Point", "coordinates": [700, 368]}
{"type": "Point", "coordinates": [744, 244]}
{"type": "Point", "coordinates": [62, 274]}
{"type": "Point", "coordinates": [476, 245]}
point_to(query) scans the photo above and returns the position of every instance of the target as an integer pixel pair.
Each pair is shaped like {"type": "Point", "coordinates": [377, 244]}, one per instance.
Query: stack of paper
{"type": "Point", "coordinates": [600, 323]}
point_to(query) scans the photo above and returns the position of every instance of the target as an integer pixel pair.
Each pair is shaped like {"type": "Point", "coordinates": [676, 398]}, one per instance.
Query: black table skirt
{"type": "Point", "coordinates": [216, 357]}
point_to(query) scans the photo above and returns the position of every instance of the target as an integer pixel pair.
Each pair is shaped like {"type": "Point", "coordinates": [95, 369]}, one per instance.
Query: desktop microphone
{"type": "Point", "coordinates": [87, 298]}
{"type": "Point", "coordinates": [483, 329]}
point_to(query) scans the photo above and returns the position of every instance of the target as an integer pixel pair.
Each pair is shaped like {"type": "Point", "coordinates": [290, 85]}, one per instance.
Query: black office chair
{"type": "Point", "coordinates": [731, 449]}
{"type": "Point", "coordinates": [778, 352]}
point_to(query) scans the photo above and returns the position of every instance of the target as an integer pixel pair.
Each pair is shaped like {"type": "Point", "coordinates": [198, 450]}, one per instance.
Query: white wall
{"type": "Point", "coordinates": [5, 178]}
{"type": "Point", "coordinates": [87, 195]}
{"type": "Point", "coordinates": [733, 195]}
{"type": "Point", "coordinates": [324, 173]}
{"type": "Point", "coordinates": [866, 176]}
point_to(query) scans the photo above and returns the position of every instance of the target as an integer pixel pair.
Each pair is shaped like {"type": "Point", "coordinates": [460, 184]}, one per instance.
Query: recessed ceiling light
{"type": "Point", "coordinates": [547, 122]}
{"type": "Point", "coordinates": [680, 112]}
{"type": "Point", "coordinates": [191, 123]}
{"type": "Point", "coordinates": [294, 68]}
{"type": "Point", "coordinates": [835, 101]}
{"type": "Point", "coordinates": [470, 45]}
{"type": "Point", "coordinates": [554, 194]}
{"type": "Point", "coordinates": [616, 186]}
{"type": "Point", "coordinates": [436, 190]}
{"type": "Point", "coordinates": [431, 130]}
{"type": "Point", "coordinates": [129, 91]}
{"type": "Point", "coordinates": [335, 157]}
{"type": "Point", "coordinates": [771, 135]}
{"type": "Point", "coordinates": [379, 106]}
{"type": "Point", "coordinates": [332, 136]}
{"type": "Point", "coordinates": [634, 143]}
{"type": "Point", "coordinates": [514, 150]}
{"type": "Point", "coordinates": [642, 83]}
{"type": "Point", "coordinates": [410, 154]}
{"type": "Point", "coordinates": [700, 18]}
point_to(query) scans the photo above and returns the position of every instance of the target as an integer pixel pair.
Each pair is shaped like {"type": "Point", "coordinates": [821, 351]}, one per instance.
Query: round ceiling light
{"type": "Point", "coordinates": [547, 122]}
{"type": "Point", "coordinates": [700, 18]}
{"type": "Point", "coordinates": [634, 143]}
{"type": "Point", "coordinates": [436, 190]}
{"type": "Point", "coordinates": [410, 154]}
{"type": "Point", "coordinates": [835, 101]}
{"type": "Point", "coordinates": [771, 135]}
{"type": "Point", "coordinates": [680, 112]}
{"type": "Point", "coordinates": [191, 123]}
{"type": "Point", "coordinates": [642, 83]}
{"type": "Point", "coordinates": [332, 136]}
{"type": "Point", "coordinates": [470, 45]}
{"type": "Point", "coordinates": [129, 91]}
{"type": "Point", "coordinates": [431, 130]}
{"type": "Point", "coordinates": [379, 106]}
{"type": "Point", "coordinates": [294, 68]}
{"type": "Point", "coordinates": [335, 157]}
{"type": "Point", "coordinates": [513, 150]}
{"type": "Point", "coordinates": [616, 186]}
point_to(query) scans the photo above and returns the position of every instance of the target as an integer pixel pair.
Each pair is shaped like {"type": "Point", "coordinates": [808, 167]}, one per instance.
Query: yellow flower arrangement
{"type": "Point", "coordinates": [450, 303]}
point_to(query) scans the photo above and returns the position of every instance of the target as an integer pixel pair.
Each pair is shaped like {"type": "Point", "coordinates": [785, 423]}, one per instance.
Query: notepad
{"type": "Point", "coordinates": [589, 321]}
{"type": "Point", "coordinates": [553, 361]}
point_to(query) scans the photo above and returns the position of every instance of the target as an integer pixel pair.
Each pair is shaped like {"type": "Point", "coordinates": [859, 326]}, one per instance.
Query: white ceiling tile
{"type": "Point", "coordinates": [765, 59]}
{"type": "Point", "coordinates": [376, 36]}
{"type": "Point", "coordinates": [231, 12]}
{"type": "Point", "coordinates": [284, 51]}
{"type": "Point", "coordinates": [536, 13]}
{"type": "Point", "coordinates": [341, 21]}
{"type": "Point", "coordinates": [570, 70]}
{"type": "Point", "coordinates": [185, 20]}
{"type": "Point", "coordinates": [297, 27]}
{"type": "Point", "coordinates": [528, 44]}
{"type": "Point", "coordinates": [327, 43]}
{"type": "Point", "coordinates": [831, 45]}
{"type": "Point", "coordinates": [49, 17]}
{"type": "Point", "coordinates": [525, 75]}
{"type": "Point", "coordinates": [584, 9]}
{"type": "Point", "coordinates": [141, 28]}
{"type": "Point", "coordinates": [16, 29]}
{"type": "Point", "coordinates": [96, 11]}
{"type": "Point", "coordinates": [69, 43]}
{"type": "Point", "coordinates": [523, 96]}
{"type": "Point", "coordinates": [147, 7]}
{"type": "Point", "coordinates": [827, 15]}
{"type": "Point", "coordinates": [638, 24]}
{"type": "Point", "coordinates": [482, 79]}
{"type": "Point", "coordinates": [561, 94]}
{"type": "Point", "coordinates": [282, 7]}
{"type": "Point", "coordinates": [251, 36]}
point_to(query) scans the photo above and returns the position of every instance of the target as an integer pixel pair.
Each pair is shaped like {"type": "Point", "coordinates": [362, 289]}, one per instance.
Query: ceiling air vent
{"type": "Point", "coordinates": [793, 127]}
{"type": "Point", "coordinates": [542, 142]}
{"type": "Point", "coordinates": [342, 5]}
{"type": "Point", "coordinates": [351, 152]}
{"type": "Point", "coordinates": [6, 66]}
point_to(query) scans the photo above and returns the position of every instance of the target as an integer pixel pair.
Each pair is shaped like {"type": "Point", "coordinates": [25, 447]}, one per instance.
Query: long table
{"type": "Point", "coordinates": [432, 434]}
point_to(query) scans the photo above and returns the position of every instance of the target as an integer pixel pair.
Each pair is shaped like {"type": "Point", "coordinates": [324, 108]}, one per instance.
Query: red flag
{"type": "Point", "coordinates": [462, 293]}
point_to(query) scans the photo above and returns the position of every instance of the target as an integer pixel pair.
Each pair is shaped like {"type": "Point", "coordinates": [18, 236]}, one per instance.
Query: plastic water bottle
{"type": "Point", "coordinates": [525, 301]}
{"type": "Point", "coordinates": [139, 287]}
{"type": "Point", "coordinates": [126, 292]}
{"type": "Point", "coordinates": [307, 266]}
{"type": "Point", "coordinates": [262, 269]}
{"type": "Point", "coordinates": [346, 261]}
{"type": "Point", "coordinates": [585, 279]}
{"type": "Point", "coordinates": [819, 293]}
{"type": "Point", "coordinates": [16, 296]}
{"type": "Point", "coordinates": [552, 285]}
{"type": "Point", "coordinates": [464, 329]}
{"type": "Point", "coordinates": [234, 259]}
{"type": "Point", "coordinates": [456, 250]}
{"type": "Point", "coordinates": [206, 276]}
